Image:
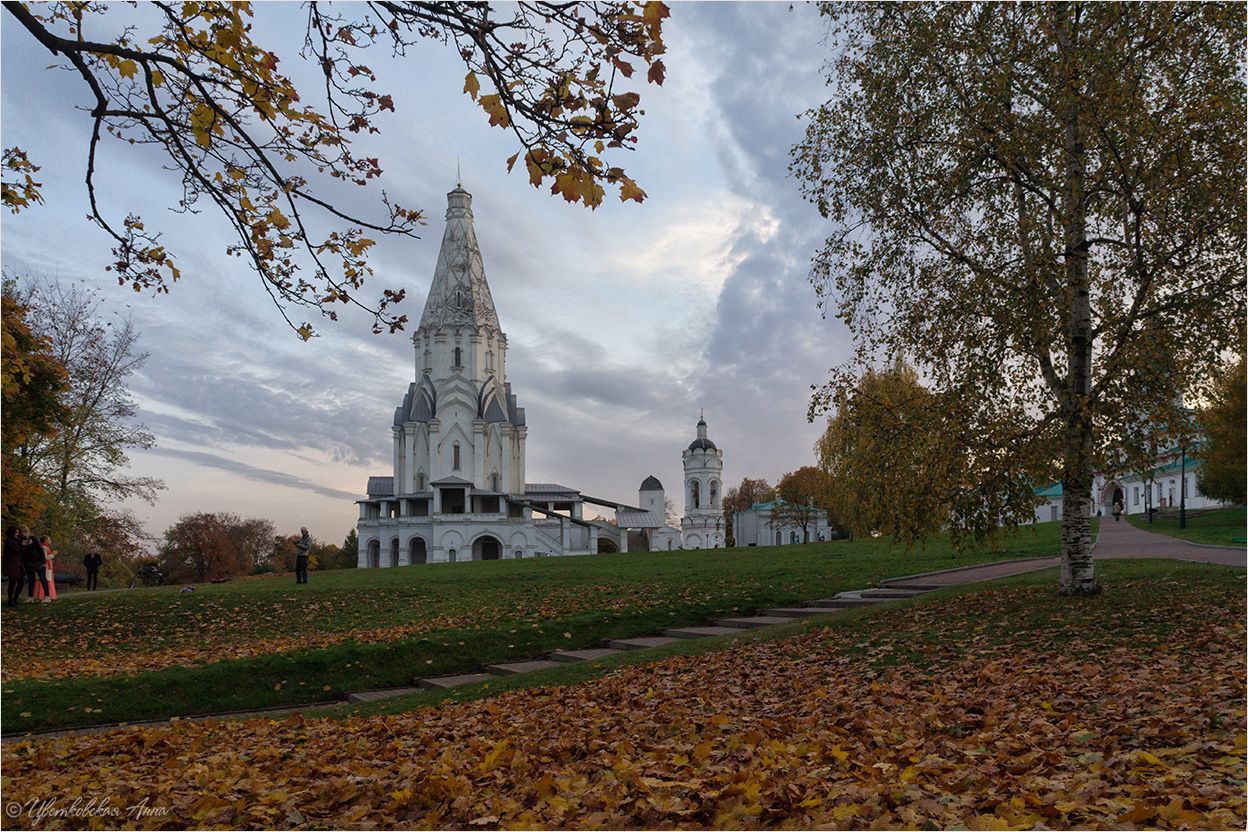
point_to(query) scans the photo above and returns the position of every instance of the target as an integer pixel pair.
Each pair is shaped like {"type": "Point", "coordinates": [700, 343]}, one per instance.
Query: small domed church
{"type": "Point", "coordinates": [458, 489]}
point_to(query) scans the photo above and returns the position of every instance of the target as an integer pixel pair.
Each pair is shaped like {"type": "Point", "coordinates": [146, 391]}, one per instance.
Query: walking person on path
{"type": "Point", "coordinates": [13, 564]}
{"type": "Point", "coordinates": [1117, 510]}
{"type": "Point", "coordinates": [35, 565]}
{"type": "Point", "coordinates": [92, 563]}
{"type": "Point", "coordinates": [302, 548]}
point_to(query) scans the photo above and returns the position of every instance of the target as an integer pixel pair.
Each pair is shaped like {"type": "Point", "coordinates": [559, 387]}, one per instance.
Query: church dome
{"type": "Point", "coordinates": [702, 444]}
{"type": "Point", "coordinates": [651, 483]}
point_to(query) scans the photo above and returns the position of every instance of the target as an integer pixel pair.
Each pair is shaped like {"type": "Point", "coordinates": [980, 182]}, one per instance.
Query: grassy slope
{"type": "Point", "coordinates": [1034, 616]}
{"type": "Point", "coordinates": [1217, 527]}
{"type": "Point", "coordinates": [505, 610]}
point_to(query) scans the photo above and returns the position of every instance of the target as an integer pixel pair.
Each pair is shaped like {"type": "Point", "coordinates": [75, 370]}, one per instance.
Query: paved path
{"type": "Point", "coordinates": [1122, 540]}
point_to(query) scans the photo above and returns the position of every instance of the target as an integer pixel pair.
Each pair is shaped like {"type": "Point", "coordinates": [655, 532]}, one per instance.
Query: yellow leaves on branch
{"type": "Point", "coordinates": [20, 191]}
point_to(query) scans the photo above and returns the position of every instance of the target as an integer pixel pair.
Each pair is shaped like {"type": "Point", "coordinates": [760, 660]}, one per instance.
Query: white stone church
{"type": "Point", "coordinates": [458, 491]}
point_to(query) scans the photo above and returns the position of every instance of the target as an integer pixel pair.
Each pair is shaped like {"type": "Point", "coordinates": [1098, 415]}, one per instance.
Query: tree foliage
{"type": "Point", "coordinates": [190, 80]}
{"type": "Point", "coordinates": [803, 499]}
{"type": "Point", "coordinates": [85, 456]}
{"type": "Point", "coordinates": [199, 548]}
{"type": "Point", "coordinates": [32, 379]}
{"type": "Point", "coordinates": [740, 497]}
{"type": "Point", "coordinates": [1041, 207]}
{"type": "Point", "coordinates": [892, 456]}
{"type": "Point", "coordinates": [1223, 471]}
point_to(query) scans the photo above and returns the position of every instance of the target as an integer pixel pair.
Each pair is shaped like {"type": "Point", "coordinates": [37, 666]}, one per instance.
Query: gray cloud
{"type": "Point", "coordinates": [251, 472]}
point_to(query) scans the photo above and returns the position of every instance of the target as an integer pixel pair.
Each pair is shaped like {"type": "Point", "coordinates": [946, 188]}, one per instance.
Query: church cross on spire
{"type": "Point", "coordinates": [459, 177]}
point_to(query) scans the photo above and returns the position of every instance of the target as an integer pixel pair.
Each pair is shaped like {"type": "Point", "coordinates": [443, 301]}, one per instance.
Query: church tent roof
{"type": "Point", "coordinates": [459, 295]}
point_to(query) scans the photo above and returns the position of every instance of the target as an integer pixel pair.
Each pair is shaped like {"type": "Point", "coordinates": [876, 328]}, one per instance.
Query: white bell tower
{"type": "Point", "coordinates": [702, 527]}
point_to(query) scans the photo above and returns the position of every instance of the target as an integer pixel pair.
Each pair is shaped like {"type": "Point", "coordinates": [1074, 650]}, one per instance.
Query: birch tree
{"type": "Point", "coordinates": [1041, 207]}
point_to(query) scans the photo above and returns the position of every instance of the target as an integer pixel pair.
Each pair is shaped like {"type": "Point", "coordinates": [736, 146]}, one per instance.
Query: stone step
{"type": "Point", "coordinates": [916, 585]}
{"type": "Point", "coordinates": [888, 593]}
{"type": "Point", "coordinates": [842, 603]}
{"type": "Point", "coordinates": [437, 682]}
{"type": "Point", "coordinates": [512, 668]}
{"type": "Point", "coordinates": [644, 643]}
{"type": "Point", "coordinates": [583, 655]}
{"type": "Point", "coordinates": [789, 613]}
{"type": "Point", "coordinates": [750, 622]}
{"type": "Point", "coordinates": [701, 632]}
{"type": "Point", "coordinates": [374, 695]}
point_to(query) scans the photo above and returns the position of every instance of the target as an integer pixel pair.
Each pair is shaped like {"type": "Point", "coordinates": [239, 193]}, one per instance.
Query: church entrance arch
{"type": "Point", "coordinates": [606, 546]}
{"type": "Point", "coordinates": [1112, 493]}
{"type": "Point", "coordinates": [374, 553]}
{"type": "Point", "coordinates": [486, 547]}
{"type": "Point", "coordinates": [394, 552]}
{"type": "Point", "coordinates": [419, 552]}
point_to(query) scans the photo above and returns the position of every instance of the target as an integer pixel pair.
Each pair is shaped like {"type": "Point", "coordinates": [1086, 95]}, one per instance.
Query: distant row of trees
{"type": "Point", "coordinates": [898, 462]}
{"type": "Point", "coordinates": [895, 461]}
{"type": "Point", "coordinates": [210, 545]}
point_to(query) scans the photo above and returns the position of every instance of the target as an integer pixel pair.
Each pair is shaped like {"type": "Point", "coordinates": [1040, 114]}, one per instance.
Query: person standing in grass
{"type": "Point", "coordinates": [13, 563]}
{"type": "Point", "coordinates": [49, 571]}
{"type": "Point", "coordinates": [92, 562]}
{"type": "Point", "coordinates": [302, 548]}
{"type": "Point", "coordinates": [35, 565]}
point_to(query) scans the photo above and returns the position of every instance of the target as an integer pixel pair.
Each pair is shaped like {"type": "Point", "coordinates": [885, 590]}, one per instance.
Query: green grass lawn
{"type": "Point", "coordinates": [156, 653]}
{"type": "Point", "coordinates": [1217, 527]}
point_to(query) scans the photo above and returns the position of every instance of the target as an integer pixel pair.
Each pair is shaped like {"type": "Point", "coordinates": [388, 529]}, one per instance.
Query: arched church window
{"type": "Point", "coordinates": [420, 481]}
{"type": "Point", "coordinates": [459, 357]}
{"type": "Point", "coordinates": [494, 481]}
{"type": "Point", "coordinates": [714, 493]}
{"type": "Point", "coordinates": [489, 360]}
{"type": "Point", "coordinates": [428, 362]}
{"type": "Point", "coordinates": [455, 456]}
{"type": "Point", "coordinates": [695, 493]}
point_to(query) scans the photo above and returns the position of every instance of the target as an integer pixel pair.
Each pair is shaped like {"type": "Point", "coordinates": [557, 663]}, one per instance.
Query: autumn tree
{"type": "Point", "coordinates": [198, 547]}
{"type": "Point", "coordinates": [32, 380]}
{"type": "Point", "coordinates": [1041, 207]}
{"type": "Point", "coordinates": [892, 455]}
{"type": "Point", "coordinates": [740, 497]}
{"type": "Point", "coordinates": [802, 499]}
{"type": "Point", "coordinates": [1223, 472]}
{"type": "Point", "coordinates": [190, 81]}
{"type": "Point", "coordinates": [84, 458]}
{"type": "Point", "coordinates": [251, 538]}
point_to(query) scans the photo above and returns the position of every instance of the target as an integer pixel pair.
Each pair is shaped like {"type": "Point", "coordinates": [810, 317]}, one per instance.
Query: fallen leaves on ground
{"type": "Point", "coordinates": [1069, 726]}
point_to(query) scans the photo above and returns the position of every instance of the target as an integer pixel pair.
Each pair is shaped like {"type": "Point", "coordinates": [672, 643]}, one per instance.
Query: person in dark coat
{"type": "Point", "coordinates": [13, 563]}
{"type": "Point", "coordinates": [92, 563]}
{"type": "Point", "coordinates": [35, 564]}
{"type": "Point", "coordinates": [302, 549]}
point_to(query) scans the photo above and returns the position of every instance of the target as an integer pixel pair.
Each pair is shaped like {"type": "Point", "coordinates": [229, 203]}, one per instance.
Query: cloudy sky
{"type": "Point", "coordinates": [623, 322]}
